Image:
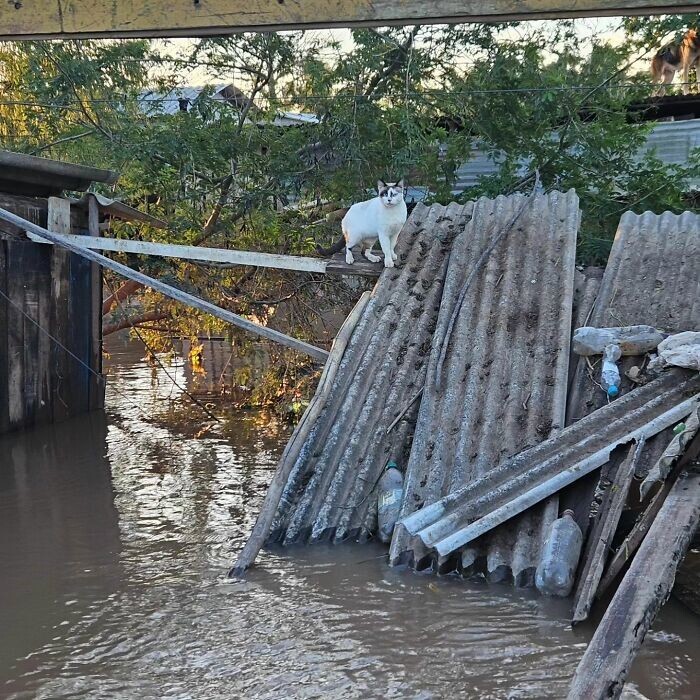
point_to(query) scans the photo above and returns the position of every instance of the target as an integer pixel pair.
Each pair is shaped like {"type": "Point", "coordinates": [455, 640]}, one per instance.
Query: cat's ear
{"type": "Point", "coordinates": [381, 185]}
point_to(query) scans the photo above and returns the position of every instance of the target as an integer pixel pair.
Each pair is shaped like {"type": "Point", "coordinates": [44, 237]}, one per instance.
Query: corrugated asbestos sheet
{"type": "Point", "coordinates": [453, 521]}
{"type": "Point", "coordinates": [330, 493]}
{"type": "Point", "coordinates": [652, 277]}
{"type": "Point", "coordinates": [504, 381]}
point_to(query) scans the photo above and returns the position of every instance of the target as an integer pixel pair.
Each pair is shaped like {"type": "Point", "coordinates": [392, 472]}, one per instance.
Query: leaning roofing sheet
{"type": "Point", "coordinates": [526, 478]}
{"type": "Point", "coordinates": [330, 492]}
{"type": "Point", "coordinates": [504, 380]}
{"type": "Point", "coordinates": [652, 277]}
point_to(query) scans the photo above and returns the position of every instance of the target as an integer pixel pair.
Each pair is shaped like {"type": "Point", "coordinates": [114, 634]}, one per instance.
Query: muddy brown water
{"type": "Point", "coordinates": [115, 536]}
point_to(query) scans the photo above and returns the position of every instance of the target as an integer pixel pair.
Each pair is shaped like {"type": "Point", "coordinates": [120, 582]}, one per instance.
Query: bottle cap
{"type": "Point", "coordinates": [613, 391]}
{"type": "Point", "coordinates": [568, 512]}
{"type": "Point", "coordinates": [680, 428]}
{"type": "Point", "coordinates": [391, 465]}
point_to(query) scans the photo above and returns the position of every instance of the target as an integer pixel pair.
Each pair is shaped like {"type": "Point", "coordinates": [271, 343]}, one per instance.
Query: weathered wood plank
{"type": "Point", "coordinates": [28, 264]}
{"type": "Point", "coordinates": [115, 18]}
{"type": "Point", "coordinates": [631, 543]}
{"type": "Point", "coordinates": [4, 362]}
{"type": "Point", "coordinates": [225, 256]}
{"type": "Point", "coordinates": [79, 340]}
{"type": "Point", "coordinates": [43, 361]}
{"type": "Point", "coordinates": [644, 589]}
{"type": "Point", "coordinates": [59, 221]}
{"type": "Point", "coordinates": [96, 383]}
{"type": "Point", "coordinates": [170, 291]}
{"type": "Point", "coordinates": [603, 531]}
{"type": "Point", "coordinates": [15, 335]}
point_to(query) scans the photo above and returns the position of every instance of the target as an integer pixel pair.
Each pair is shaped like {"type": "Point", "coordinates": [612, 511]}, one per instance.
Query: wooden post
{"type": "Point", "coordinates": [600, 539]}
{"type": "Point", "coordinates": [261, 529]}
{"type": "Point", "coordinates": [59, 222]}
{"type": "Point", "coordinates": [644, 589]}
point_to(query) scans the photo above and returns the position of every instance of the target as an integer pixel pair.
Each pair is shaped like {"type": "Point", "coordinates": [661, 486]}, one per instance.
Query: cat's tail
{"type": "Point", "coordinates": [335, 248]}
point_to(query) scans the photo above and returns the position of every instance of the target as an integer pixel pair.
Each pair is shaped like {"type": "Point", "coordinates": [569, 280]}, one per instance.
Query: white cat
{"type": "Point", "coordinates": [380, 218]}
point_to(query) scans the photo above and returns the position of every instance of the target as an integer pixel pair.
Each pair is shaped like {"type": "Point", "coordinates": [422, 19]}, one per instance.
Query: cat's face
{"type": "Point", "coordinates": [391, 193]}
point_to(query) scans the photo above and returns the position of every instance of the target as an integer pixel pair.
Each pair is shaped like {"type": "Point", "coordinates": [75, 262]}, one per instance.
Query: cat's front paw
{"type": "Point", "coordinates": [349, 259]}
{"type": "Point", "coordinates": [373, 258]}
{"type": "Point", "coordinates": [388, 262]}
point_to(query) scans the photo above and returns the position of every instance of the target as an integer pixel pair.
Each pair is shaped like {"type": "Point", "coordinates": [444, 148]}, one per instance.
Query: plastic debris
{"type": "Point", "coordinates": [389, 500]}
{"type": "Point", "coordinates": [610, 374]}
{"type": "Point", "coordinates": [681, 350]}
{"type": "Point", "coordinates": [632, 340]}
{"type": "Point", "coordinates": [557, 570]}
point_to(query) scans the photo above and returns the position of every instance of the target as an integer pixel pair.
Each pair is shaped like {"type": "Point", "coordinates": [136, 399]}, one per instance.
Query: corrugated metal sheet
{"type": "Point", "coordinates": [153, 102]}
{"type": "Point", "coordinates": [652, 277]}
{"type": "Point", "coordinates": [506, 372]}
{"type": "Point", "coordinates": [671, 141]}
{"type": "Point", "coordinates": [330, 492]}
{"type": "Point", "coordinates": [453, 521]}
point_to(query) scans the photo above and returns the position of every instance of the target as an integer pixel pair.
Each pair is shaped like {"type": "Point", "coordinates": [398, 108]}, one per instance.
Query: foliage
{"type": "Point", "coordinates": [417, 101]}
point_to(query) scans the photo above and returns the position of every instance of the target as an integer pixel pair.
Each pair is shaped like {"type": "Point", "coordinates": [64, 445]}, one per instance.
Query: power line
{"type": "Point", "coordinates": [300, 99]}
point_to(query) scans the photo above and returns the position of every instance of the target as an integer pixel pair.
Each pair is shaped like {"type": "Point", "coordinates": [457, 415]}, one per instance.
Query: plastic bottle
{"type": "Point", "coordinates": [389, 500]}
{"type": "Point", "coordinates": [610, 375]}
{"type": "Point", "coordinates": [557, 569]}
{"type": "Point", "coordinates": [632, 340]}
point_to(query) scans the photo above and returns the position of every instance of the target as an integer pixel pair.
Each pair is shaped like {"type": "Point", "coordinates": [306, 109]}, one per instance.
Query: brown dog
{"type": "Point", "coordinates": [675, 57]}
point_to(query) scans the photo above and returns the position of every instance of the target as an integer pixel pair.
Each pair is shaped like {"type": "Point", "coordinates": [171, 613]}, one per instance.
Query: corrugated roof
{"type": "Point", "coordinates": [330, 492]}
{"type": "Point", "coordinates": [154, 102]}
{"type": "Point", "coordinates": [505, 375]}
{"type": "Point", "coordinates": [455, 520]}
{"type": "Point", "coordinates": [42, 177]}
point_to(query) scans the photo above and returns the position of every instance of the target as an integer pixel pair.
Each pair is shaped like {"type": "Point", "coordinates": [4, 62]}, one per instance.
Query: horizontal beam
{"type": "Point", "coordinates": [166, 289]}
{"type": "Point", "coordinates": [71, 19]}
{"type": "Point", "coordinates": [191, 252]}
{"type": "Point", "coordinates": [220, 255]}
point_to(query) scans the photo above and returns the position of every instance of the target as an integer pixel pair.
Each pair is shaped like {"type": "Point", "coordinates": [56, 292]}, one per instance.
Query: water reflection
{"type": "Point", "coordinates": [116, 537]}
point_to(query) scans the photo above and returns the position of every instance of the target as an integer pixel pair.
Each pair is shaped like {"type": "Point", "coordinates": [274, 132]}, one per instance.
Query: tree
{"type": "Point", "coordinates": [415, 101]}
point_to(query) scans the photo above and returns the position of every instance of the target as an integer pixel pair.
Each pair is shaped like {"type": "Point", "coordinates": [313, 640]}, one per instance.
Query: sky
{"type": "Point", "coordinates": [603, 27]}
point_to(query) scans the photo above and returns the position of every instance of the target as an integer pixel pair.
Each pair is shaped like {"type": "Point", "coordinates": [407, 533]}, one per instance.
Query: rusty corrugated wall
{"type": "Point", "coordinates": [504, 380]}
{"type": "Point", "coordinates": [330, 493]}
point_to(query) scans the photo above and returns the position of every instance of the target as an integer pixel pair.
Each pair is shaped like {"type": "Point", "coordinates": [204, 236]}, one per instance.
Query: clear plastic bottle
{"type": "Point", "coordinates": [632, 340]}
{"type": "Point", "coordinates": [389, 500]}
{"type": "Point", "coordinates": [557, 570]}
{"type": "Point", "coordinates": [610, 374]}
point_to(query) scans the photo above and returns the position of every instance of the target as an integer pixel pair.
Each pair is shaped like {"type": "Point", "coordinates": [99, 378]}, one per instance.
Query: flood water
{"type": "Point", "coordinates": [115, 536]}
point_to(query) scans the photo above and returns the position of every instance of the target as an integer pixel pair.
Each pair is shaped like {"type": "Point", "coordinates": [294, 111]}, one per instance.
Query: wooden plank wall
{"type": "Point", "coordinates": [39, 381]}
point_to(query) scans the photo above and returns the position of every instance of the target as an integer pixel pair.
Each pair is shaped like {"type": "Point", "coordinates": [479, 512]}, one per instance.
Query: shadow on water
{"type": "Point", "coordinates": [117, 531]}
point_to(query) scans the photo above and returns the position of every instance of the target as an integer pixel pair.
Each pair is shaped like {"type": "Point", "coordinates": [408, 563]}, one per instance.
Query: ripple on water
{"type": "Point", "coordinates": [117, 580]}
